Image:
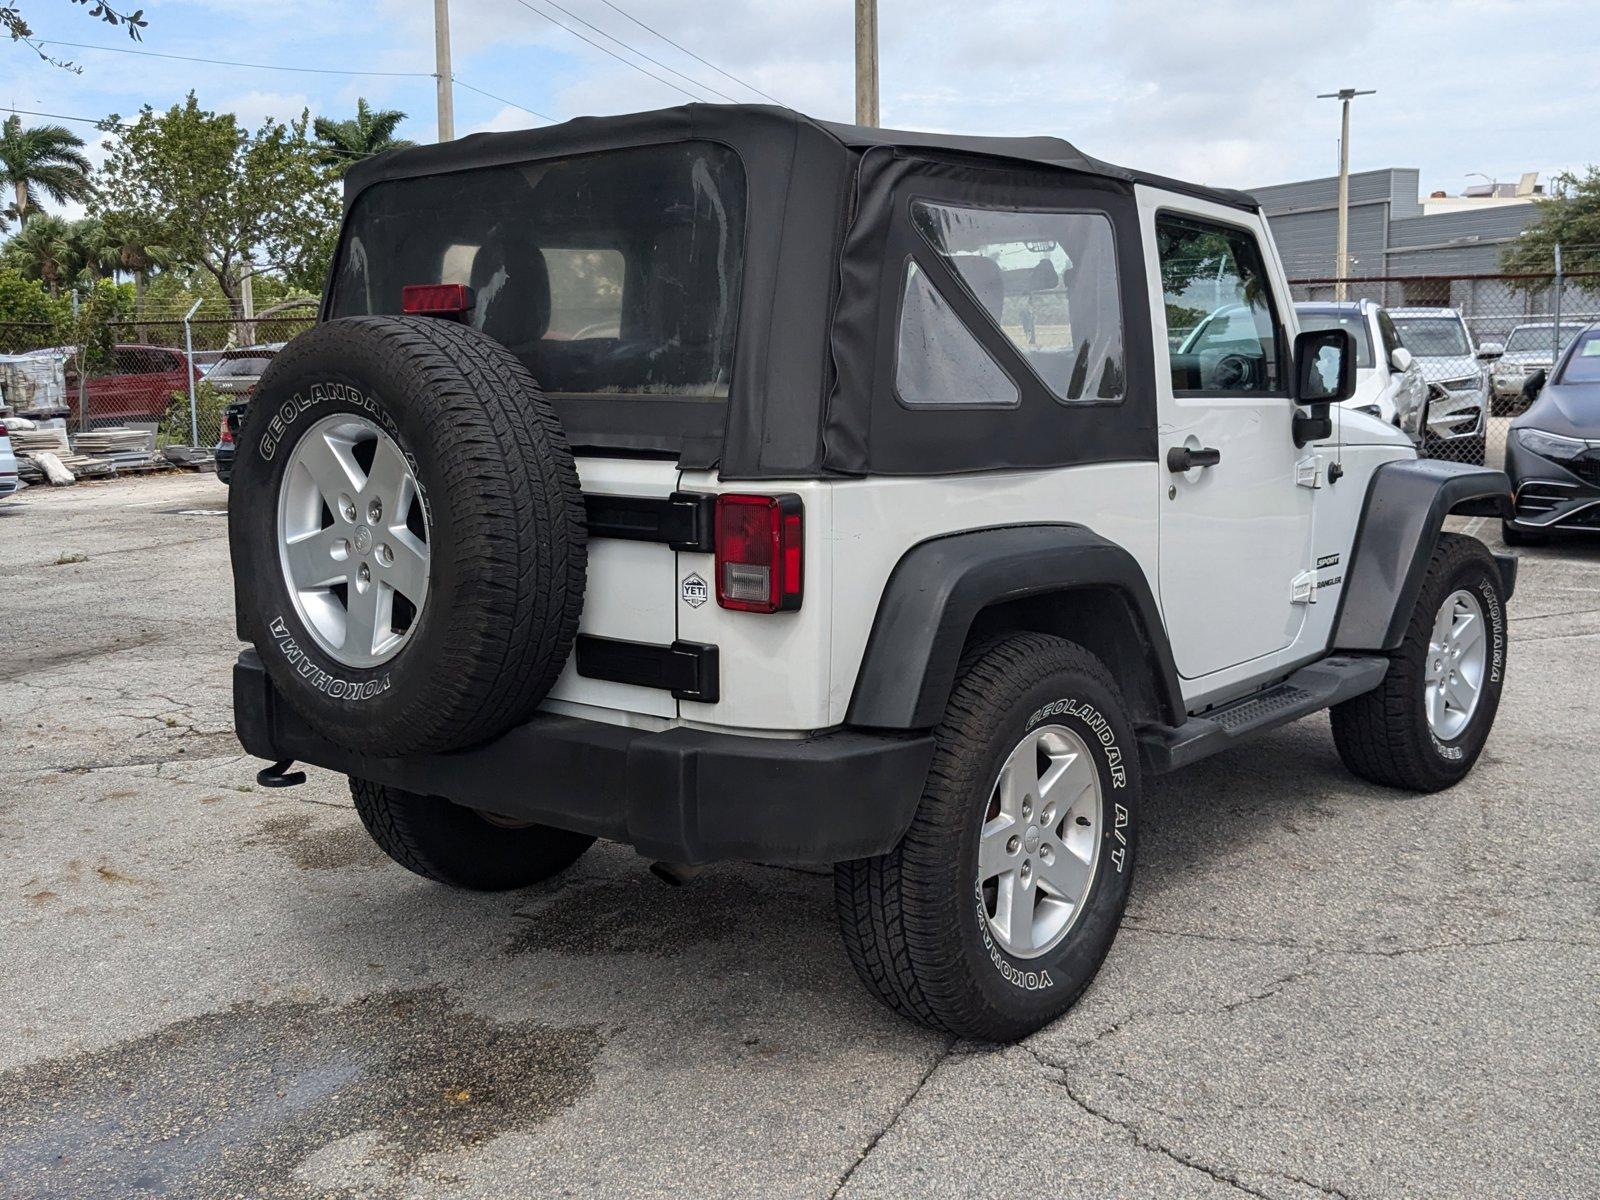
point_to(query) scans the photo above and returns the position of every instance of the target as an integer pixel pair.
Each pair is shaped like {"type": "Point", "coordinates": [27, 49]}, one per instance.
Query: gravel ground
{"type": "Point", "coordinates": [1322, 989]}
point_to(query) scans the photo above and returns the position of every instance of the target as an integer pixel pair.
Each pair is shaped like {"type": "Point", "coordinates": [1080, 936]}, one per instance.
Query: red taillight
{"type": "Point", "coordinates": [436, 299]}
{"type": "Point", "coordinates": [760, 553]}
{"type": "Point", "coordinates": [2, 429]}
{"type": "Point", "coordinates": [227, 431]}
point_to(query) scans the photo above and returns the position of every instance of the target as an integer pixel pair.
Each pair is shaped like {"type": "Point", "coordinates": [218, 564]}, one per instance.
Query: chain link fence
{"type": "Point", "coordinates": [1474, 339]}
{"type": "Point", "coordinates": [160, 382]}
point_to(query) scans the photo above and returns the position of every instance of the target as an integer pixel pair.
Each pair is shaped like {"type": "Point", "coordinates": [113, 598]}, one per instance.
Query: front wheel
{"type": "Point", "coordinates": [462, 847]}
{"type": "Point", "coordinates": [995, 910]}
{"type": "Point", "coordinates": [1423, 728]}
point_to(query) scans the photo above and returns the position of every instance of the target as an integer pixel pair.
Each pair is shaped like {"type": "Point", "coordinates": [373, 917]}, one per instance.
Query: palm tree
{"type": "Point", "coordinates": [347, 142]}
{"type": "Point", "coordinates": [137, 248]}
{"type": "Point", "coordinates": [42, 158]}
{"type": "Point", "coordinates": [42, 249]}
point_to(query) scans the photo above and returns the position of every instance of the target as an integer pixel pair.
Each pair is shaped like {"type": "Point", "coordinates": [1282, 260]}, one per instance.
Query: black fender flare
{"type": "Point", "coordinates": [1401, 519]}
{"type": "Point", "coordinates": [939, 587]}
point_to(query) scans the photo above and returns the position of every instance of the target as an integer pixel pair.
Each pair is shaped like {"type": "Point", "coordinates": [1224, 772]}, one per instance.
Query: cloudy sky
{"type": "Point", "coordinates": [1219, 92]}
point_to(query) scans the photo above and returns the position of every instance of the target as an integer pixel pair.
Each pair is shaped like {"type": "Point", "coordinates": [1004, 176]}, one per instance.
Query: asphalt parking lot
{"type": "Point", "coordinates": [1322, 989]}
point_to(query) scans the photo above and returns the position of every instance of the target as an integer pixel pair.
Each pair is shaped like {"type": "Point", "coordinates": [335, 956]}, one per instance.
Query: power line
{"type": "Point", "coordinates": [607, 50]}
{"type": "Point", "coordinates": [223, 62]}
{"type": "Point", "coordinates": [101, 121]}
{"type": "Point", "coordinates": [691, 53]}
{"type": "Point", "coordinates": [28, 112]}
{"type": "Point", "coordinates": [530, 111]}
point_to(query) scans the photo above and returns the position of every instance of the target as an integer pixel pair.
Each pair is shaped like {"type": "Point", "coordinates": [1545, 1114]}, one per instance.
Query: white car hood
{"type": "Point", "coordinates": [1454, 366]}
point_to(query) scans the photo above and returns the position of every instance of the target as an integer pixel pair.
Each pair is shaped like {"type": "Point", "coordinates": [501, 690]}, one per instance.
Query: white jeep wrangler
{"type": "Point", "coordinates": [741, 486]}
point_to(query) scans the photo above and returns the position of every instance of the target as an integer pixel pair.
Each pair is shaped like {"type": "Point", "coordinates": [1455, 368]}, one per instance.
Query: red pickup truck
{"type": "Point", "coordinates": [138, 386]}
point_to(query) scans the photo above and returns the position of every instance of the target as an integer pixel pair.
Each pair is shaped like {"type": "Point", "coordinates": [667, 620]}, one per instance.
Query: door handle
{"type": "Point", "coordinates": [1182, 458]}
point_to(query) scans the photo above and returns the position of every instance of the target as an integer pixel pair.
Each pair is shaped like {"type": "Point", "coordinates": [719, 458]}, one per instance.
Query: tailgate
{"type": "Point", "coordinates": [631, 592]}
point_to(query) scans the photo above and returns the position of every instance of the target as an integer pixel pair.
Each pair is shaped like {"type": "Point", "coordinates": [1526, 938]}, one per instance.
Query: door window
{"type": "Point", "coordinates": [938, 363]}
{"type": "Point", "coordinates": [1219, 308]}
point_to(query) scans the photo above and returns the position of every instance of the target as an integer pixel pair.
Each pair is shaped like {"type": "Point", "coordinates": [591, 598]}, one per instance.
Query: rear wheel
{"type": "Point", "coordinates": [460, 846]}
{"type": "Point", "coordinates": [996, 909]}
{"type": "Point", "coordinates": [1423, 728]}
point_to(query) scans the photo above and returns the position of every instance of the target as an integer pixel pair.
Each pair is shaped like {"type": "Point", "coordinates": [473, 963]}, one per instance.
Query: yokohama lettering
{"type": "Point", "coordinates": [1028, 981]}
{"type": "Point", "coordinates": [330, 685]}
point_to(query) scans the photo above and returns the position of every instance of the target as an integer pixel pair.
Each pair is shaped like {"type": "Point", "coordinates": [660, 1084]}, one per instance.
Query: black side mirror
{"type": "Point", "coordinates": [1324, 366]}
{"type": "Point", "coordinates": [1533, 384]}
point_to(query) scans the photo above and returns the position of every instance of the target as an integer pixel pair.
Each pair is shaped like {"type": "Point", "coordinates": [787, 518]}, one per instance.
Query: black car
{"type": "Point", "coordinates": [222, 452]}
{"type": "Point", "coordinates": [1553, 451]}
{"type": "Point", "coordinates": [236, 373]}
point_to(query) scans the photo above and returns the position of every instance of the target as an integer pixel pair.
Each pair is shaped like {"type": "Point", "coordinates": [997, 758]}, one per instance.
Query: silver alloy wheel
{"type": "Point", "coordinates": [1040, 842]}
{"type": "Point", "coordinates": [346, 577]}
{"type": "Point", "coordinates": [1458, 656]}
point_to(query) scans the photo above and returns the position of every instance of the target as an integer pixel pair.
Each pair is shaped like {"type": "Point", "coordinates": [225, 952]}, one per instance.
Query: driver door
{"type": "Point", "coordinates": [1235, 536]}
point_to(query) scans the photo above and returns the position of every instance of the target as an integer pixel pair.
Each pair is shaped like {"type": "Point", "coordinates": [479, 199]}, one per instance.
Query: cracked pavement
{"type": "Point", "coordinates": [1321, 989]}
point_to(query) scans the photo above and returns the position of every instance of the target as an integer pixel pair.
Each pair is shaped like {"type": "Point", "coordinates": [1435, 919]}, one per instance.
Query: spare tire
{"type": "Point", "coordinates": [407, 534]}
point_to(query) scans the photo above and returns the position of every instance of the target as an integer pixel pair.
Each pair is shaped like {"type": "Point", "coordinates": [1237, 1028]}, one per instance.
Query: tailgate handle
{"type": "Point", "coordinates": [683, 520]}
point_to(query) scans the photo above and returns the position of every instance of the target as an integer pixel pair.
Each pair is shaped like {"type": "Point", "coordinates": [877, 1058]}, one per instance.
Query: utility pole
{"type": "Point", "coordinates": [441, 67]}
{"type": "Point", "coordinates": [1341, 251]}
{"type": "Point", "coordinates": [247, 299]}
{"type": "Point", "coordinates": [866, 62]}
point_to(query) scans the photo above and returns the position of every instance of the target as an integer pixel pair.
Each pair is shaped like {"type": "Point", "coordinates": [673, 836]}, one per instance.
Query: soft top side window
{"type": "Point", "coordinates": [1221, 327]}
{"type": "Point", "coordinates": [938, 363]}
{"type": "Point", "coordinates": [1048, 280]}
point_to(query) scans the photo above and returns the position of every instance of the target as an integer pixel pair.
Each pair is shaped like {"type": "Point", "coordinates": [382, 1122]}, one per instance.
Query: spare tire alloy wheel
{"type": "Point", "coordinates": [408, 534]}
{"type": "Point", "coordinates": [353, 540]}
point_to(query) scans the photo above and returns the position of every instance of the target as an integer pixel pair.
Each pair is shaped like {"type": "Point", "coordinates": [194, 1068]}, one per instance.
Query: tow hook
{"type": "Point", "coordinates": [675, 874]}
{"type": "Point", "coordinates": [278, 775]}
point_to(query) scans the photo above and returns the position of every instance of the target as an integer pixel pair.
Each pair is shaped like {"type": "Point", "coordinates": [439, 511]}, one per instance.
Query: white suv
{"type": "Point", "coordinates": [741, 486]}
{"type": "Point", "coordinates": [1389, 382]}
{"type": "Point", "coordinates": [1458, 386]}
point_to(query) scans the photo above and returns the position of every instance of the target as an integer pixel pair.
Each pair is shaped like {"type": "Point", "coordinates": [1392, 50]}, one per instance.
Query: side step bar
{"type": "Point", "coordinates": [1312, 688]}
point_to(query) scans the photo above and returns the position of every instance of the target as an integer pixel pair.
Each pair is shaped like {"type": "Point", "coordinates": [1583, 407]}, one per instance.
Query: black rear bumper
{"type": "Point", "coordinates": [682, 795]}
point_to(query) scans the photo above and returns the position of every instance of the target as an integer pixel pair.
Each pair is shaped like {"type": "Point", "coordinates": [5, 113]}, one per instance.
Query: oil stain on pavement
{"type": "Point", "coordinates": [312, 848]}
{"type": "Point", "coordinates": [606, 917]}
{"type": "Point", "coordinates": [231, 1103]}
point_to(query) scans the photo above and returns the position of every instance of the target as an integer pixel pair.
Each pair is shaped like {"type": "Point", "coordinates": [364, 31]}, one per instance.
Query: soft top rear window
{"type": "Point", "coordinates": [611, 273]}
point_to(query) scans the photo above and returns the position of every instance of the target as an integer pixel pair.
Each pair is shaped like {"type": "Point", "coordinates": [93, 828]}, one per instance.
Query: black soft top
{"type": "Point", "coordinates": [743, 122]}
{"type": "Point", "coordinates": [811, 391]}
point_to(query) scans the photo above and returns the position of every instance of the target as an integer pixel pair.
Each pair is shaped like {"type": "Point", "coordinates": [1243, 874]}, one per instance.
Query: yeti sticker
{"type": "Point", "coordinates": [695, 590]}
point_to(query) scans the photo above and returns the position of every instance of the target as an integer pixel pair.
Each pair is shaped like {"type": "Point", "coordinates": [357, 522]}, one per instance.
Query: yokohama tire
{"type": "Point", "coordinates": [1385, 736]}
{"type": "Point", "coordinates": [914, 920]}
{"type": "Point", "coordinates": [495, 508]}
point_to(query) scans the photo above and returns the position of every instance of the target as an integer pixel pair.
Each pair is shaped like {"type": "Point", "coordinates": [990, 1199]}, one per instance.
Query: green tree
{"type": "Point", "coordinates": [138, 247]}
{"type": "Point", "coordinates": [1570, 218]}
{"type": "Point", "coordinates": [42, 250]}
{"type": "Point", "coordinates": [345, 143]}
{"type": "Point", "coordinates": [41, 158]}
{"type": "Point", "coordinates": [24, 300]}
{"type": "Point", "coordinates": [215, 196]}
